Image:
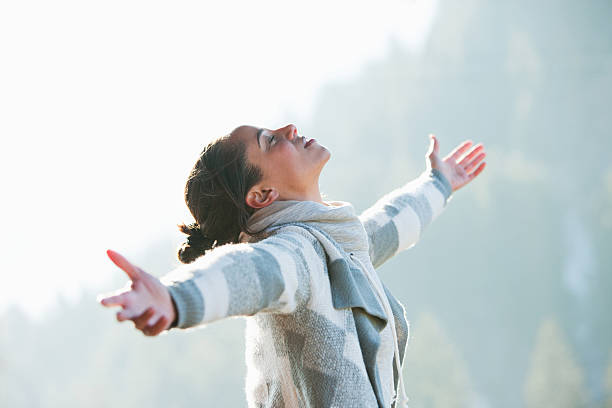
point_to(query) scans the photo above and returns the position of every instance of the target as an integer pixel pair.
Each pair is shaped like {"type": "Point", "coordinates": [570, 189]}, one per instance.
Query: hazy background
{"type": "Point", "coordinates": [104, 108]}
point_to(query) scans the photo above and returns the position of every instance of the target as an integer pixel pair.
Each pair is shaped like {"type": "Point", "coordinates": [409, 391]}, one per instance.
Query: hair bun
{"type": "Point", "coordinates": [196, 245]}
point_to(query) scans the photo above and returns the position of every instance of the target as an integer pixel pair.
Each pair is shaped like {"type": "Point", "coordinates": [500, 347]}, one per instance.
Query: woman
{"type": "Point", "coordinates": [322, 329]}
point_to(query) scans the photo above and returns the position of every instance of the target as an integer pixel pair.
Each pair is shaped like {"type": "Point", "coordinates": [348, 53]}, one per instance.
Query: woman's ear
{"type": "Point", "coordinates": [261, 198]}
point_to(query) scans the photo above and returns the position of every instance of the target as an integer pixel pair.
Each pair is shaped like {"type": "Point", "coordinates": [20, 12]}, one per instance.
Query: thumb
{"type": "Point", "coordinates": [132, 271]}
{"type": "Point", "coordinates": [433, 145]}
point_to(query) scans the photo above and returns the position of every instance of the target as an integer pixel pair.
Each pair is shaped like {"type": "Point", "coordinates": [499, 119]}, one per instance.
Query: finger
{"type": "Point", "coordinates": [475, 150]}
{"type": "Point", "coordinates": [118, 300]}
{"type": "Point", "coordinates": [459, 150]}
{"type": "Point", "coordinates": [436, 145]}
{"type": "Point", "coordinates": [474, 163]}
{"type": "Point", "coordinates": [142, 321]}
{"type": "Point", "coordinates": [433, 145]}
{"type": "Point", "coordinates": [478, 170]}
{"type": "Point", "coordinates": [132, 271]}
{"type": "Point", "coordinates": [123, 315]}
{"type": "Point", "coordinates": [157, 328]}
{"type": "Point", "coordinates": [430, 149]}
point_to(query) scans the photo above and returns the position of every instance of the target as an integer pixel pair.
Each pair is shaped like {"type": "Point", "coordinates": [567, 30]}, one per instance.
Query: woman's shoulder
{"type": "Point", "coordinates": [292, 231]}
{"type": "Point", "coordinates": [296, 235]}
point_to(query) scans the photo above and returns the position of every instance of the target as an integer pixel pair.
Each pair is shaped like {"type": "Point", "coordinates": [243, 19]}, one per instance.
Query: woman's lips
{"type": "Point", "coordinates": [311, 141]}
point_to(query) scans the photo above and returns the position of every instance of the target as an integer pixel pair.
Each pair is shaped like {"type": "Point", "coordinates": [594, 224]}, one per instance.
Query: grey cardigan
{"type": "Point", "coordinates": [322, 328]}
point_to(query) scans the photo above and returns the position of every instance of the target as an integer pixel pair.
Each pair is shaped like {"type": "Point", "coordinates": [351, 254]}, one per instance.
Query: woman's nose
{"type": "Point", "coordinates": [289, 131]}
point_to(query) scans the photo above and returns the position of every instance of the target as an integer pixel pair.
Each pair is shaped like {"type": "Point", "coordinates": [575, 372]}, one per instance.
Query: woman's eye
{"type": "Point", "coordinates": [271, 139]}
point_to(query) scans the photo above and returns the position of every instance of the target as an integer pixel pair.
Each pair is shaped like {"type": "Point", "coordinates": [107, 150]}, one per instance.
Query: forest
{"type": "Point", "coordinates": [506, 292]}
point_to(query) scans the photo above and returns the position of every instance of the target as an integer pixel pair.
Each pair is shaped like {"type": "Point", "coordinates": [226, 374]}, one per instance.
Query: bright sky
{"type": "Point", "coordinates": [105, 106]}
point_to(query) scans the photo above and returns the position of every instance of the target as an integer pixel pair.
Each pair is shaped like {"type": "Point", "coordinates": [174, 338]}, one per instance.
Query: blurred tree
{"type": "Point", "coordinates": [608, 383]}
{"type": "Point", "coordinates": [533, 82]}
{"type": "Point", "coordinates": [554, 378]}
{"type": "Point", "coordinates": [78, 357]}
{"type": "Point", "coordinates": [20, 378]}
{"type": "Point", "coordinates": [436, 375]}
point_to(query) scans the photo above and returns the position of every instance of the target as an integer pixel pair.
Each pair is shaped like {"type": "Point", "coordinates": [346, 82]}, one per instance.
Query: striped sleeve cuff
{"type": "Point", "coordinates": [188, 302]}
{"type": "Point", "coordinates": [441, 183]}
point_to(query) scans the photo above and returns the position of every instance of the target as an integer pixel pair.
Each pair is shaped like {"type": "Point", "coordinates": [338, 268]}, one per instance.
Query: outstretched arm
{"type": "Point", "coordinates": [396, 221]}
{"type": "Point", "coordinates": [232, 280]}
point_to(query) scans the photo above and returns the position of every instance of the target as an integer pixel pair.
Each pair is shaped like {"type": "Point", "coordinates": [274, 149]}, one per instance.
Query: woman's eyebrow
{"type": "Point", "coordinates": [259, 132]}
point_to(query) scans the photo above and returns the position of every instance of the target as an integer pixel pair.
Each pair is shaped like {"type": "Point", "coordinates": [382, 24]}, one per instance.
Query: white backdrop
{"type": "Point", "coordinates": [104, 108]}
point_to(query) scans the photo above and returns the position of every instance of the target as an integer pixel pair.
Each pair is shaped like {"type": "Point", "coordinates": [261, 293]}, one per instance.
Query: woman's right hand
{"type": "Point", "coordinates": [147, 303]}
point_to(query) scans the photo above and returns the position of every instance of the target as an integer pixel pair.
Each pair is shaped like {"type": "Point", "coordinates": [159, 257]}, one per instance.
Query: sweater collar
{"type": "Point", "coordinates": [337, 218]}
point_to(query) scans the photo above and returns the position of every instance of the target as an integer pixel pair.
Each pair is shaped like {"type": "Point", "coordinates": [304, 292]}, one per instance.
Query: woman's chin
{"type": "Point", "coordinates": [327, 154]}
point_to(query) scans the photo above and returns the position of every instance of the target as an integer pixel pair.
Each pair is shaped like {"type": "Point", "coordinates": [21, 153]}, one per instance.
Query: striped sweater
{"type": "Point", "coordinates": [322, 329]}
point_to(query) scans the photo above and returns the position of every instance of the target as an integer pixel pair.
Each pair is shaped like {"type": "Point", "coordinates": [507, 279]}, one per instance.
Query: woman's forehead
{"type": "Point", "coordinates": [247, 135]}
{"type": "Point", "coordinates": [245, 132]}
{"type": "Point", "coordinates": [245, 129]}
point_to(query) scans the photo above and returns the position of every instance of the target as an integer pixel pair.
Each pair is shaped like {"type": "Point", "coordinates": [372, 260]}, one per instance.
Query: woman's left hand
{"type": "Point", "coordinates": [461, 165]}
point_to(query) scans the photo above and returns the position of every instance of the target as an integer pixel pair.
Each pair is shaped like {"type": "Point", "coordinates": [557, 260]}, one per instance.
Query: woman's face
{"type": "Point", "coordinates": [290, 169]}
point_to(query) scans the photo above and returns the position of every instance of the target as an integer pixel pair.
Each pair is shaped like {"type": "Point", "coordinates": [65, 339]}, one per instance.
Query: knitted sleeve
{"type": "Point", "coordinates": [396, 221]}
{"type": "Point", "coordinates": [271, 275]}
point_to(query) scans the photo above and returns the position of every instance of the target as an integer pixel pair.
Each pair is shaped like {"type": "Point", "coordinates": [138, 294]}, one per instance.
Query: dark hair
{"type": "Point", "coordinates": [215, 194]}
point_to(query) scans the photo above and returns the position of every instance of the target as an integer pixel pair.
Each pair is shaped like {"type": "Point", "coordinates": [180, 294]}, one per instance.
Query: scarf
{"type": "Point", "coordinates": [344, 238]}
